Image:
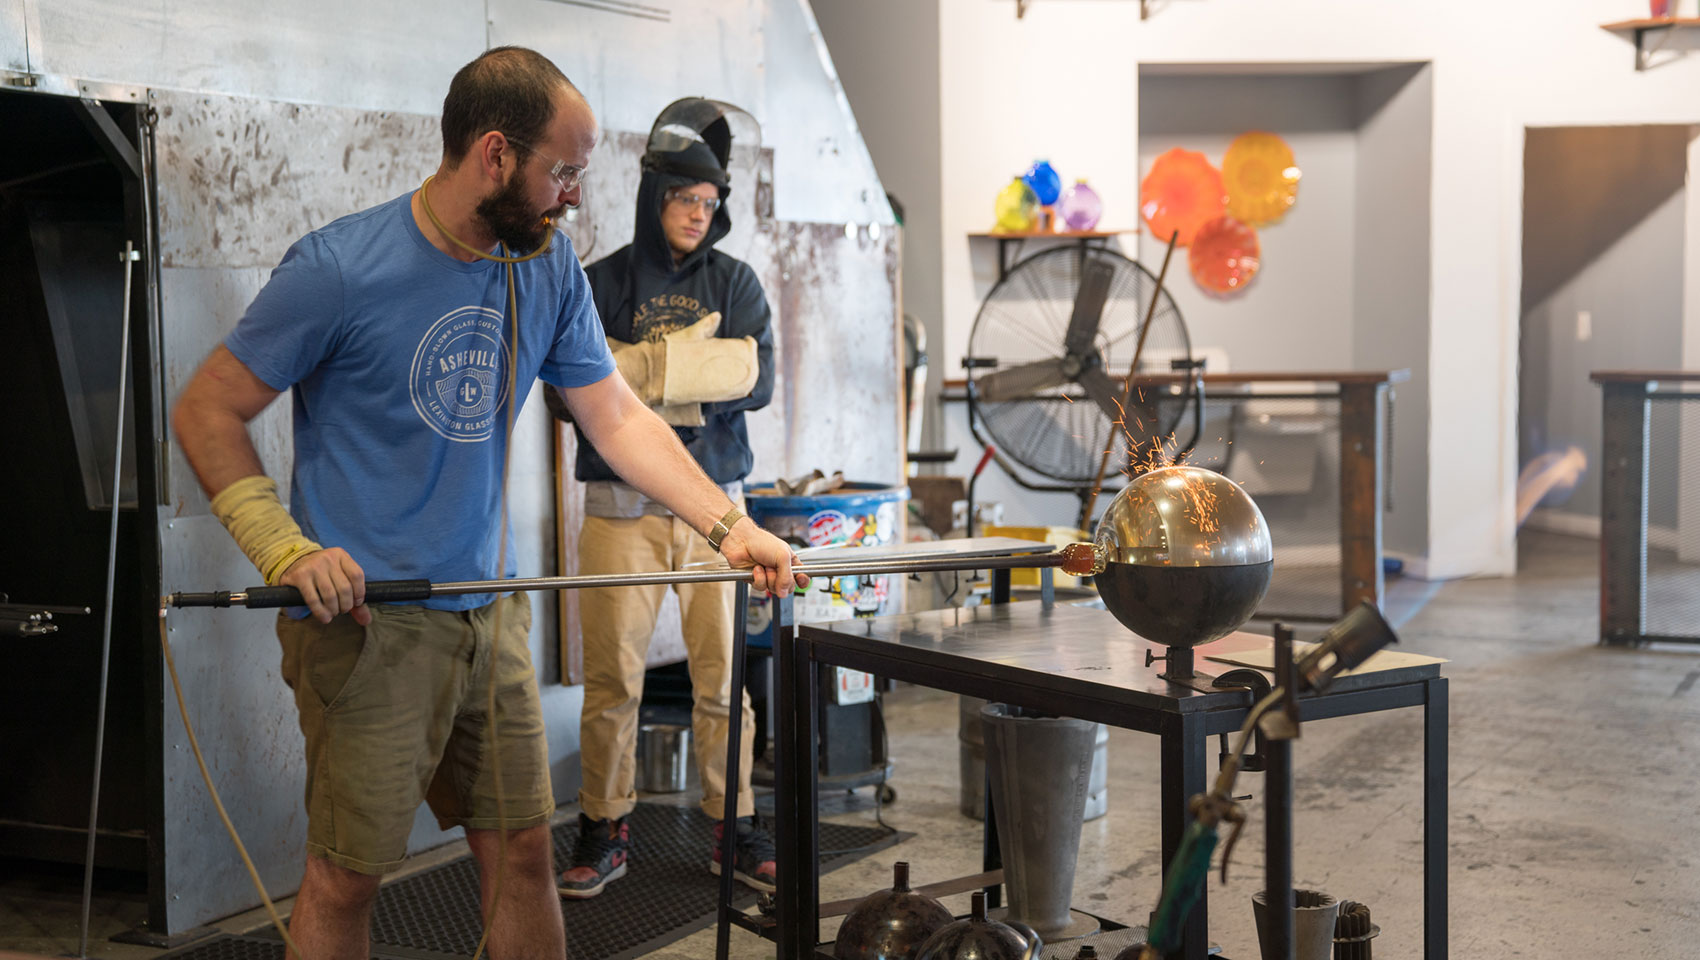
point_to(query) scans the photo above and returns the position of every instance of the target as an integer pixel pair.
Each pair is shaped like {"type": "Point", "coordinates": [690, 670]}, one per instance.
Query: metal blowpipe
{"type": "Point", "coordinates": [1078, 559]}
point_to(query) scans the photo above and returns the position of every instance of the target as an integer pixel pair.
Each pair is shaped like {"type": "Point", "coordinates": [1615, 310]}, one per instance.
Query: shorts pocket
{"type": "Point", "coordinates": [339, 657]}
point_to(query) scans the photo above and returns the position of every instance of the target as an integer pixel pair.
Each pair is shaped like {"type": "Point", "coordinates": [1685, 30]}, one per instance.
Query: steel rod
{"type": "Point", "coordinates": [111, 577]}
{"type": "Point", "coordinates": [819, 568]}
{"type": "Point", "coordinates": [11, 609]}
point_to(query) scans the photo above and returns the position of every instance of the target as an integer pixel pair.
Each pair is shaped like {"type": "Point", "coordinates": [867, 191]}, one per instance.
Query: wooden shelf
{"type": "Point", "coordinates": [1651, 35]}
{"type": "Point", "coordinates": [1649, 376]}
{"type": "Point", "coordinates": [1006, 240]}
{"type": "Point", "coordinates": [1052, 234]}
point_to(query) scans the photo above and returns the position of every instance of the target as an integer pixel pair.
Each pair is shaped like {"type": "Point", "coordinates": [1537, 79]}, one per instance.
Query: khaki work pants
{"type": "Point", "coordinates": [618, 623]}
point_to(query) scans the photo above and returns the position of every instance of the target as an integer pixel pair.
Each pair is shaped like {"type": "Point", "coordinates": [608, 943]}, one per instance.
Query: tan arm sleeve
{"type": "Point", "coordinates": [257, 521]}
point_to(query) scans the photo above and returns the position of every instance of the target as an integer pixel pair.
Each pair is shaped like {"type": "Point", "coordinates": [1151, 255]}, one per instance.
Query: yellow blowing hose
{"type": "Point", "coordinates": [495, 655]}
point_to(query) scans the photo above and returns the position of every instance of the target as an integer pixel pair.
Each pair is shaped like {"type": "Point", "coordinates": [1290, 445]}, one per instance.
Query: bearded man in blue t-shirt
{"type": "Point", "coordinates": [410, 334]}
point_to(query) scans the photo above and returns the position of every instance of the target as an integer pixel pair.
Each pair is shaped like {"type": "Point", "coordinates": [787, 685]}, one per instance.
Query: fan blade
{"type": "Point", "coordinates": [1095, 279]}
{"type": "Point", "coordinates": [1021, 381]}
{"type": "Point", "coordinates": [1102, 390]}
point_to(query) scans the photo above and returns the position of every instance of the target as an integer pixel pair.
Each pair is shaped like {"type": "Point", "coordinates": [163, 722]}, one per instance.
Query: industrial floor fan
{"type": "Point", "coordinates": [1046, 363]}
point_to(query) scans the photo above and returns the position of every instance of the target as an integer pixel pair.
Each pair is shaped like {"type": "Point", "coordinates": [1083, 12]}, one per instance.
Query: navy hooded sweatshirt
{"type": "Point", "coordinates": [640, 295]}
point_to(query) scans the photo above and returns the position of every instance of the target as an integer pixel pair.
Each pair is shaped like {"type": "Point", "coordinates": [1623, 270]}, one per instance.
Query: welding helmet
{"type": "Point", "coordinates": [693, 139]}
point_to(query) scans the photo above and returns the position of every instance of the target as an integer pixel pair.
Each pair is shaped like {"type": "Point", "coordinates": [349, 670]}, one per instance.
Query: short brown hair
{"type": "Point", "coordinates": [510, 89]}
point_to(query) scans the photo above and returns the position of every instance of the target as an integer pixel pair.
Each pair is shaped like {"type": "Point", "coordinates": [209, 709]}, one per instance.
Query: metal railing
{"type": "Point", "coordinates": [1650, 507]}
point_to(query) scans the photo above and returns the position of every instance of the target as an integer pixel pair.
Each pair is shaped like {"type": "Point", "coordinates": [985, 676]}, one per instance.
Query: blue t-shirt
{"type": "Point", "coordinates": [398, 355]}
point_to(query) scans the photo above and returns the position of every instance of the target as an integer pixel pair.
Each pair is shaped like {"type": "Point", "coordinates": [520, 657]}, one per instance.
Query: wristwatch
{"type": "Point", "coordinates": [722, 527]}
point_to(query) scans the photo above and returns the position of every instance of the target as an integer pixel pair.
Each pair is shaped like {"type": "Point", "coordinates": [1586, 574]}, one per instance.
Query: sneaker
{"type": "Point", "coordinates": [599, 857]}
{"type": "Point", "coordinates": [753, 853]}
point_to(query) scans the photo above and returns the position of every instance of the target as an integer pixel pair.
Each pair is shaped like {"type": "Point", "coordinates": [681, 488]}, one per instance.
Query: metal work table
{"type": "Point", "coordinates": [1074, 662]}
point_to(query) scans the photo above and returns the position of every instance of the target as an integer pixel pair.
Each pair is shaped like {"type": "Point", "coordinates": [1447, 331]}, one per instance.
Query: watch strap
{"type": "Point", "coordinates": [722, 527]}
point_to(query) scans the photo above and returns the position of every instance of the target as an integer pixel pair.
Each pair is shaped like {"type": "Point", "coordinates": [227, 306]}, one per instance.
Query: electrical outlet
{"type": "Point", "coordinates": [1584, 325]}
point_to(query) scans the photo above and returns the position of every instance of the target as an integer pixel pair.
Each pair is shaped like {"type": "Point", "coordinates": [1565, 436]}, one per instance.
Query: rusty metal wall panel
{"type": "Point", "coordinates": [766, 56]}
{"type": "Point", "coordinates": [244, 719]}
{"type": "Point", "coordinates": [604, 222]}
{"type": "Point", "coordinates": [240, 180]}
{"type": "Point", "coordinates": [377, 54]}
{"type": "Point", "coordinates": [630, 64]}
{"type": "Point", "coordinates": [14, 34]}
{"type": "Point", "coordinates": [823, 171]}
{"type": "Point", "coordinates": [837, 402]}
{"type": "Point", "coordinates": [833, 292]}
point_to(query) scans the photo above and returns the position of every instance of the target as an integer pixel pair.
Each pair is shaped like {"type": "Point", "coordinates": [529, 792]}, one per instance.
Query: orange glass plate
{"type": "Point", "coordinates": [1182, 192]}
{"type": "Point", "coordinates": [1261, 178]}
{"type": "Point", "coordinates": [1224, 255]}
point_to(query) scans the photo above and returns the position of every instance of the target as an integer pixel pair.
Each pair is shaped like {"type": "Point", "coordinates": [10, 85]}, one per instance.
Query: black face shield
{"type": "Point", "coordinates": [693, 138]}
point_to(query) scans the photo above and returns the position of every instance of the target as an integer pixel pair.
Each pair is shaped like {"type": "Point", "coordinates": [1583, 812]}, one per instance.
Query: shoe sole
{"type": "Point", "coordinates": [576, 893]}
{"type": "Point", "coordinates": [744, 878]}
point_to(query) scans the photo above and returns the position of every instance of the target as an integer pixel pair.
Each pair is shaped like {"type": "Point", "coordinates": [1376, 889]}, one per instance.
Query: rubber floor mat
{"type": "Point", "coordinates": [668, 894]}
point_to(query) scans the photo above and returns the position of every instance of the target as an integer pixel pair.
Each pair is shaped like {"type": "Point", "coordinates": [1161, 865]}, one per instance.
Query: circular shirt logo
{"type": "Point", "coordinates": [459, 378]}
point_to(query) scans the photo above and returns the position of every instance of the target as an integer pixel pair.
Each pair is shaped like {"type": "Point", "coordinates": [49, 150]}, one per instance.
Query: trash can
{"type": "Point", "coordinates": [854, 515]}
{"type": "Point", "coordinates": [664, 757]}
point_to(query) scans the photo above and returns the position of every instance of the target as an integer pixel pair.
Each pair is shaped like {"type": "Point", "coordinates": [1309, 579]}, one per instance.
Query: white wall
{"type": "Point", "coordinates": [1297, 312]}
{"type": "Point", "coordinates": [1688, 502]}
{"type": "Point", "coordinates": [1062, 81]}
{"type": "Point", "coordinates": [1391, 284]}
{"type": "Point", "coordinates": [821, 168]}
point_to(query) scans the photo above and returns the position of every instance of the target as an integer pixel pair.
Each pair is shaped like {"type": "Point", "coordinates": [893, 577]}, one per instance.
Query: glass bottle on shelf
{"type": "Point", "coordinates": [1017, 207]}
{"type": "Point", "coordinates": [1080, 206]}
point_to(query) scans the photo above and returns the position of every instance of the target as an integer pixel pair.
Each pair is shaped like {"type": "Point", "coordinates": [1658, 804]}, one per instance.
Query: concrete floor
{"type": "Point", "coordinates": [1572, 771]}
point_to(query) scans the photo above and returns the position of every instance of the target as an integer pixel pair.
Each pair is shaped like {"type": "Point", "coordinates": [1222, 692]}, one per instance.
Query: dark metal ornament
{"type": "Point", "coordinates": [976, 938]}
{"type": "Point", "coordinates": [890, 924]}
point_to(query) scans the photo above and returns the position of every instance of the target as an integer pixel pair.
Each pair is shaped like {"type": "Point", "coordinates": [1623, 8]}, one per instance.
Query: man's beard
{"type": "Point", "coordinates": [506, 212]}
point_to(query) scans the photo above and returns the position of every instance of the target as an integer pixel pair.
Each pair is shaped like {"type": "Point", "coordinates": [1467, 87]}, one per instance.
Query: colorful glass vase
{"type": "Point", "coordinates": [1261, 178]}
{"type": "Point", "coordinates": [1224, 255]}
{"type": "Point", "coordinates": [1080, 206]}
{"type": "Point", "coordinates": [1046, 184]}
{"type": "Point", "coordinates": [1180, 194]}
{"type": "Point", "coordinates": [1017, 207]}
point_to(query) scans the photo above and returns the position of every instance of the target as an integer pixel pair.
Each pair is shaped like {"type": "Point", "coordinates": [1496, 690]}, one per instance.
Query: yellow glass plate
{"type": "Point", "coordinates": [1261, 178]}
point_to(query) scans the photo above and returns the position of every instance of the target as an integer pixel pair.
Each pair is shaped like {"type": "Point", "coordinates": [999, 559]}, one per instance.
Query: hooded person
{"type": "Point", "coordinates": [690, 330]}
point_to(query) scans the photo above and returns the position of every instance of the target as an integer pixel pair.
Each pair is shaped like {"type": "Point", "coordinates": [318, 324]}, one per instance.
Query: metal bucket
{"type": "Point", "coordinates": [1038, 768]}
{"type": "Point", "coordinates": [664, 755]}
{"type": "Point", "coordinates": [971, 764]}
{"type": "Point", "coordinates": [1314, 916]}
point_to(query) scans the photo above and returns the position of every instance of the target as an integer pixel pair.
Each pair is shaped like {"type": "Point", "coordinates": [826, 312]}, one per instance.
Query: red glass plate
{"type": "Point", "coordinates": [1182, 192]}
{"type": "Point", "coordinates": [1224, 255]}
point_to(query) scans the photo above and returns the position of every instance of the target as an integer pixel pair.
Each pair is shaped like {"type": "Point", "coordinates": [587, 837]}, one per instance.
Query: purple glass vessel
{"type": "Point", "coordinates": [1080, 206]}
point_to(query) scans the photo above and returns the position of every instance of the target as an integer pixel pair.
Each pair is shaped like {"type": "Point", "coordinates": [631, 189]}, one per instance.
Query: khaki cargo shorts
{"type": "Point", "coordinates": [394, 714]}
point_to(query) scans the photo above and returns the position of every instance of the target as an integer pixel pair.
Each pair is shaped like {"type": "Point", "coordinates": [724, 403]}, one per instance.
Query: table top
{"type": "Point", "coordinates": [1062, 649]}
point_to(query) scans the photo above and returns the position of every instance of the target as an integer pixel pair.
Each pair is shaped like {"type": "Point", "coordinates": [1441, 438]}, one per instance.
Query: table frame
{"type": "Point", "coordinates": [1183, 723]}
